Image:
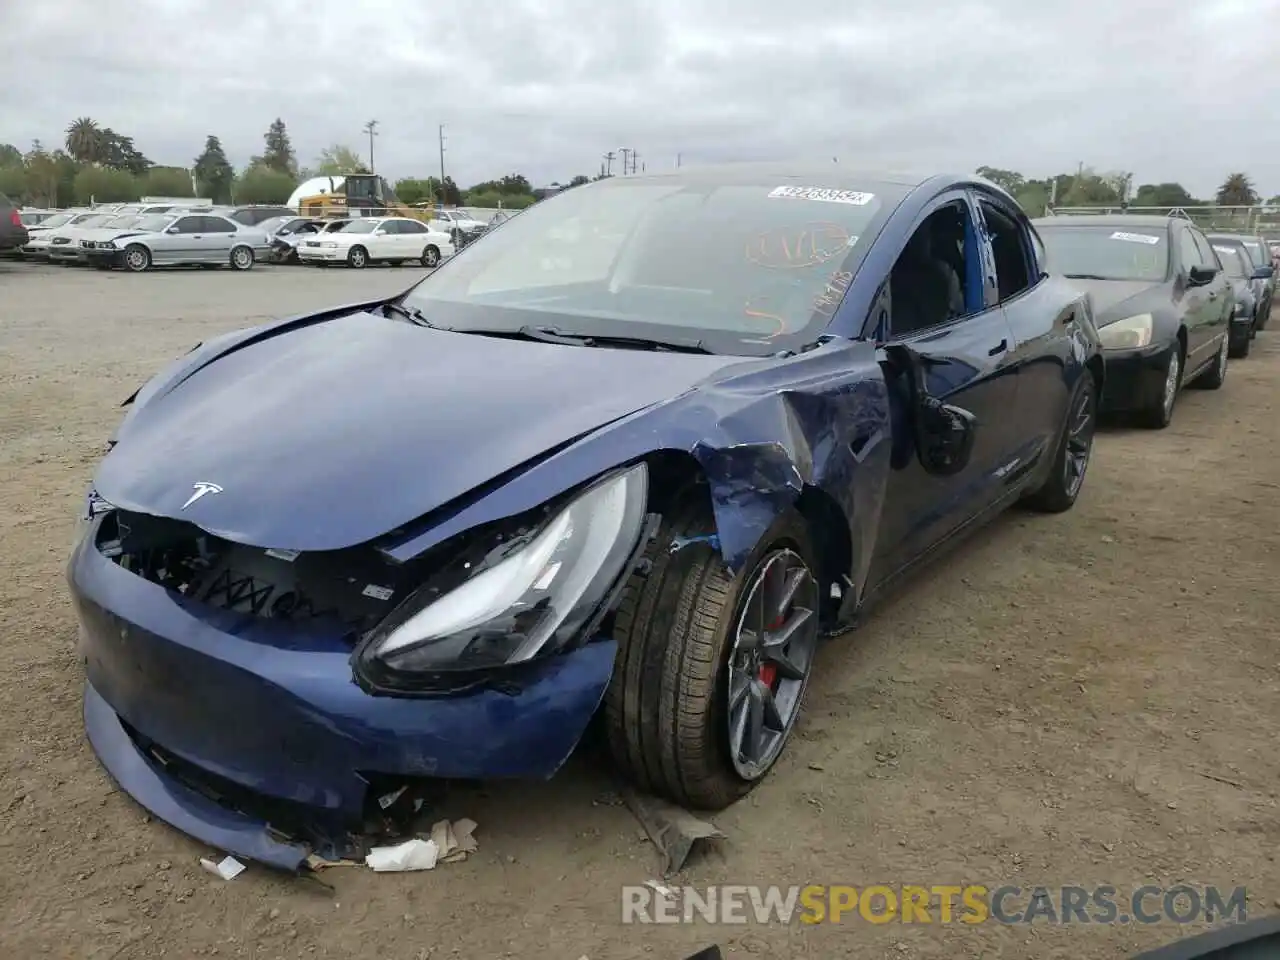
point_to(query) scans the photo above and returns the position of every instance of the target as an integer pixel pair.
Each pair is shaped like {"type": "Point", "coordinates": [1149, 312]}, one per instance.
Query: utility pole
{"type": "Point", "coordinates": [626, 152]}
{"type": "Point", "coordinates": [634, 157]}
{"type": "Point", "coordinates": [371, 128]}
{"type": "Point", "coordinates": [441, 133]}
{"type": "Point", "coordinates": [677, 160]}
{"type": "Point", "coordinates": [608, 163]}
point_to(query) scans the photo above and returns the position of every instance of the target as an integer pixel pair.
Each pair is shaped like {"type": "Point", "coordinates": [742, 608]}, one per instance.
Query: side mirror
{"type": "Point", "coordinates": [1199, 276]}
{"type": "Point", "coordinates": [1264, 273]}
{"type": "Point", "coordinates": [379, 233]}
{"type": "Point", "coordinates": [172, 230]}
{"type": "Point", "coordinates": [943, 434]}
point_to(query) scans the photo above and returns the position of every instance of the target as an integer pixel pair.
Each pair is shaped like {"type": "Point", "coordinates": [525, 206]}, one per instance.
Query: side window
{"type": "Point", "coordinates": [1013, 272]}
{"type": "Point", "coordinates": [218, 225]}
{"type": "Point", "coordinates": [390, 227]}
{"type": "Point", "coordinates": [927, 284]}
{"type": "Point", "coordinates": [1207, 256]}
{"type": "Point", "coordinates": [190, 225]}
{"type": "Point", "coordinates": [1188, 251]}
{"type": "Point", "coordinates": [412, 226]}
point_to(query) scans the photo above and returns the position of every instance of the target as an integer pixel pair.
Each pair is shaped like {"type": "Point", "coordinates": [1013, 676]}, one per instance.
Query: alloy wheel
{"type": "Point", "coordinates": [1171, 382]}
{"type": "Point", "coordinates": [775, 642]}
{"type": "Point", "coordinates": [1080, 431]}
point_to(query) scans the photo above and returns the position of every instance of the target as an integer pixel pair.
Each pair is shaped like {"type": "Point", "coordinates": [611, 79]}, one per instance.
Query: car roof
{"type": "Point", "coordinates": [1237, 236]}
{"type": "Point", "coordinates": [1109, 220]}
{"type": "Point", "coordinates": [831, 176]}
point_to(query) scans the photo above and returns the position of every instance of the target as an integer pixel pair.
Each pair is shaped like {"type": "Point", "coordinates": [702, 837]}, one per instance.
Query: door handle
{"type": "Point", "coordinates": [1213, 295]}
{"type": "Point", "coordinates": [998, 349]}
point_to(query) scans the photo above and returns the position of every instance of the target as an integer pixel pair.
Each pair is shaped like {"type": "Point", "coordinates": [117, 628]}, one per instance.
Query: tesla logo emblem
{"type": "Point", "coordinates": [200, 489]}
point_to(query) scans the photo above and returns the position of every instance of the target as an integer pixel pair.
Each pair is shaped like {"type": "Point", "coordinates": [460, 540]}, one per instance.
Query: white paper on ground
{"type": "Point", "coordinates": [228, 868]}
{"type": "Point", "coordinates": [411, 855]}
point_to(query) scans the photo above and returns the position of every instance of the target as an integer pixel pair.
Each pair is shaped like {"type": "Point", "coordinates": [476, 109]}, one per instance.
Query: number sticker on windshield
{"type": "Point", "coordinates": [823, 195]}
{"type": "Point", "coordinates": [1134, 237]}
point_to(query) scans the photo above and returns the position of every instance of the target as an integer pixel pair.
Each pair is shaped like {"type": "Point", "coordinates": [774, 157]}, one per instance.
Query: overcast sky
{"type": "Point", "coordinates": [1186, 91]}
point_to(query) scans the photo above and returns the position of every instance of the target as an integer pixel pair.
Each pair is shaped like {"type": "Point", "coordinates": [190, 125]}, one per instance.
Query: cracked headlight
{"type": "Point", "coordinates": [532, 598]}
{"type": "Point", "coordinates": [1127, 334]}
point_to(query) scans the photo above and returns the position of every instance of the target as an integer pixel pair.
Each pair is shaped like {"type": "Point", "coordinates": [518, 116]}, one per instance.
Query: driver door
{"type": "Point", "coordinates": [968, 364]}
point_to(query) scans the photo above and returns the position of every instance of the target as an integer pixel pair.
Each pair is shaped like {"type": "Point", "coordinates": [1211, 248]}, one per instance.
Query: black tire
{"type": "Point", "coordinates": [358, 258]}
{"type": "Point", "coordinates": [137, 258]}
{"type": "Point", "coordinates": [241, 258]}
{"type": "Point", "coordinates": [666, 709]}
{"type": "Point", "coordinates": [1241, 345]}
{"type": "Point", "coordinates": [1062, 487]}
{"type": "Point", "coordinates": [1216, 375]}
{"type": "Point", "coordinates": [430, 256]}
{"type": "Point", "coordinates": [1160, 414]}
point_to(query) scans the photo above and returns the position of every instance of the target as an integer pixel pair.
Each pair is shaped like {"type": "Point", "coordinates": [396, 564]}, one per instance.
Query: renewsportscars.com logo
{"type": "Point", "coordinates": [969, 904]}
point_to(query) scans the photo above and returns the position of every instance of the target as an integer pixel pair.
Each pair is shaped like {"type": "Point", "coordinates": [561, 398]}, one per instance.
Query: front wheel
{"type": "Point", "coordinates": [137, 257]}
{"type": "Point", "coordinates": [431, 256]}
{"type": "Point", "coordinates": [241, 258]}
{"type": "Point", "coordinates": [1242, 343]}
{"type": "Point", "coordinates": [358, 258]}
{"type": "Point", "coordinates": [1075, 447]}
{"type": "Point", "coordinates": [712, 667]}
{"type": "Point", "coordinates": [1160, 414]}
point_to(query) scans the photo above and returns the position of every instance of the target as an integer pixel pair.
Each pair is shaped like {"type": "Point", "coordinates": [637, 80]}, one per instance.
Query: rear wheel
{"type": "Point", "coordinates": [712, 668]}
{"type": "Point", "coordinates": [137, 257]}
{"type": "Point", "coordinates": [431, 256]}
{"type": "Point", "coordinates": [1243, 342]}
{"type": "Point", "coordinates": [1216, 375]}
{"type": "Point", "coordinates": [358, 257]}
{"type": "Point", "coordinates": [1075, 447]}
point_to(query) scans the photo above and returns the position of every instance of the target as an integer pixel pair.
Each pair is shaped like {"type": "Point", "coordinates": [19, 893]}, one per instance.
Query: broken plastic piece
{"type": "Point", "coordinates": [413, 854]}
{"type": "Point", "coordinates": [672, 829]}
{"type": "Point", "coordinates": [228, 868]}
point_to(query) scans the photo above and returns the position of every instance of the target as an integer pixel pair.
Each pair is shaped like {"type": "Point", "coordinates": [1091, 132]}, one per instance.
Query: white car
{"type": "Point", "coordinates": [378, 240]}
{"type": "Point", "coordinates": [61, 244]}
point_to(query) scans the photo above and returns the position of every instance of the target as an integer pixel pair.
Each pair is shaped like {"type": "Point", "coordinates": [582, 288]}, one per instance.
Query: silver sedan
{"type": "Point", "coordinates": [174, 239]}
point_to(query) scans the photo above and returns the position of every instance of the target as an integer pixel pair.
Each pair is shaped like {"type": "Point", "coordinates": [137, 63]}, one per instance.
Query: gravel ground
{"type": "Point", "coordinates": [1081, 699]}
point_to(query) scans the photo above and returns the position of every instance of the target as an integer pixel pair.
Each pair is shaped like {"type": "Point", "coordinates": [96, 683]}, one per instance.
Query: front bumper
{"type": "Point", "coordinates": [66, 253]}
{"type": "Point", "coordinates": [1134, 378]}
{"type": "Point", "coordinates": [102, 257]}
{"type": "Point", "coordinates": [322, 254]}
{"type": "Point", "coordinates": [271, 708]}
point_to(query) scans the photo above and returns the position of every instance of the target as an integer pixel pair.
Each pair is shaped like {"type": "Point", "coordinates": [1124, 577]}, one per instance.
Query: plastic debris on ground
{"type": "Point", "coordinates": [449, 843]}
{"type": "Point", "coordinates": [228, 868]}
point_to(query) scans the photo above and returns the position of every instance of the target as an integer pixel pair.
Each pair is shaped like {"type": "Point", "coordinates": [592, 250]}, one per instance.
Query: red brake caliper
{"type": "Point", "coordinates": [768, 671]}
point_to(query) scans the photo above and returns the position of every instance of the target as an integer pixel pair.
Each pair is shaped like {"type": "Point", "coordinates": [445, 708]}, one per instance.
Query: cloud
{"type": "Point", "coordinates": [546, 87]}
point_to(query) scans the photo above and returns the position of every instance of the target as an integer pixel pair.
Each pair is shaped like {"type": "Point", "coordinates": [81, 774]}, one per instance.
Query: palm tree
{"type": "Point", "coordinates": [84, 140]}
{"type": "Point", "coordinates": [1237, 191]}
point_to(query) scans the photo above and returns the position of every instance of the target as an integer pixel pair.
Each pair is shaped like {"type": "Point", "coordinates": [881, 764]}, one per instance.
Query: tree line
{"type": "Point", "coordinates": [97, 164]}
{"type": "Point", "coordinates": [1086, 188]}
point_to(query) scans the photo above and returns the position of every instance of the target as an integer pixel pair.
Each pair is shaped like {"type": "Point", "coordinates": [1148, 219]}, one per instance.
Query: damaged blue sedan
{"type": "Point", "coordinates": [629, 457]}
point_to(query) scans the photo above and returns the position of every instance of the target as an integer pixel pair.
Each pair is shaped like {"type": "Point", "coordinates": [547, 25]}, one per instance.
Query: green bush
{"type": "Point", "coordinates": [263, 185]}
{"type": "Point", "coordinates": [103, 185]}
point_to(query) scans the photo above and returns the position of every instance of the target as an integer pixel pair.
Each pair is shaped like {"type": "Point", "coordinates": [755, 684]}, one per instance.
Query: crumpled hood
{"type": "Point", "coordinates": [1111, 297]}
{"type": "Point", "coordinates": [331, 434]}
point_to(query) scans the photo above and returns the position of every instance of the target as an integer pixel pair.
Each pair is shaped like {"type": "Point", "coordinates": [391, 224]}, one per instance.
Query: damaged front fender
{"type": "Point", "coordinates": [762, 433]}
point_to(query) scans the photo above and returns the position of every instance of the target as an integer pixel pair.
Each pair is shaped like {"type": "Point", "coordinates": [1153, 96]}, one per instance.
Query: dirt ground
{"type": "Point", "coordinates": [1049, 704]}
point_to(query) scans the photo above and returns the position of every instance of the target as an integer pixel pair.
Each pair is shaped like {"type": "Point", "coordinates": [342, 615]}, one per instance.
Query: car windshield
{"type": "Point", "coordinates": [1232, 262]}
{"type": "Point", "coordinates": [1257, 251]}
{"type": "Point", "coordinates": [273, 224]}
{"type": "Point", "coordinates": [128, 220]}
{"type": "Point", "coordinates": [153, 223]}
{"type": "Point", "coordinates": [92, 219]}
{"type": "Point", "coordinates": [359, 226]}
{"type": "Point", "coordinates": [57, 220]}
{"type": "Point", "coordinates": [1108, 252]}
{"type": "Point", "coordinates": [745, 268]}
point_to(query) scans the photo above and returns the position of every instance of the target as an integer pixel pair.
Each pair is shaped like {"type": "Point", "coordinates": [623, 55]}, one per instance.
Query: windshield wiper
{"type": "Point", "coordinates": [556, 335]}
{"type": "Point", "coordinates": [412, 314]}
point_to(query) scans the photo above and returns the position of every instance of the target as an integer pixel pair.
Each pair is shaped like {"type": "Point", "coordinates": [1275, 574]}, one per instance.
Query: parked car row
{"type": "Point", "coordinates": [1172, 302]}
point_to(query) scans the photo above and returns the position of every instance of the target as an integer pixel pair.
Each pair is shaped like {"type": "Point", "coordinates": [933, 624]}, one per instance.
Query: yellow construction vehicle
{"type": "Point", "coordinates": [353, 195]}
